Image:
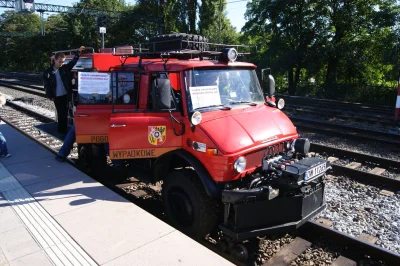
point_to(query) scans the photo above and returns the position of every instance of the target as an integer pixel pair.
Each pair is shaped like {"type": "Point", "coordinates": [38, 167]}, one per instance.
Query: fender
{"type": "Point", "coordinates": [162, 164]}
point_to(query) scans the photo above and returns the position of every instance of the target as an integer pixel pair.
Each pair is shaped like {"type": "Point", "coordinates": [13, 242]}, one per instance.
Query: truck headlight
{"type": "Point", "coordinates": [240, 164]}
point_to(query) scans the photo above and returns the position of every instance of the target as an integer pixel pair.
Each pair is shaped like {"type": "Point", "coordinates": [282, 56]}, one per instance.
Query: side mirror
{"type": "Point", "coordinates": [271, 82]}
{"type": "Point", "coordinates": [162, 94]}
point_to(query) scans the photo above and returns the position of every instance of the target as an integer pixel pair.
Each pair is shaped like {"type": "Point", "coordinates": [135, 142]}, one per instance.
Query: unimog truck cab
{"type": "Point", "coordinates": [227, 156]}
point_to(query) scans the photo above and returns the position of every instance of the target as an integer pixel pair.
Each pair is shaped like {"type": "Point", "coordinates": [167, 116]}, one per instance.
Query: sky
{"type": "Point", "coordinates": [235, 9]}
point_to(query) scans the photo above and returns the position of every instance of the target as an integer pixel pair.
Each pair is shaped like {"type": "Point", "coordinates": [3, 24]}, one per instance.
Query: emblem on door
{"type": "Point", "coordinates": [157, 135]}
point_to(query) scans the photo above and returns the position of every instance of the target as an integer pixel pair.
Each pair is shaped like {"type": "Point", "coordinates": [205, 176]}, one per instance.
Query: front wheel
{"type": "Point", "coordinates": [187, 205]}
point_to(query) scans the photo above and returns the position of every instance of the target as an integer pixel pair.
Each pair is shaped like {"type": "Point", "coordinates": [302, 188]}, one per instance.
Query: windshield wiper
{"type": "Point", "coordinates": [239, 102]}
{"type": "Point", "coordinates": [222, 107]}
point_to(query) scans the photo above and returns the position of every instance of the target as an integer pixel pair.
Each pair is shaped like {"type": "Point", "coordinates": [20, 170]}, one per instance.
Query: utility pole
{"type": "Point", "coordinates": [219, 23]}
{"type": "Point", "coordinates": [102, 24]}
{"type": "Point", "coordinates": [41, 22]}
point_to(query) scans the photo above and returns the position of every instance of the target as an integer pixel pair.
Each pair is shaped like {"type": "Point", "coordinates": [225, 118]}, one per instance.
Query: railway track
{"type": "Point", "coordinates": [363, 167]}
{"type": "Point", "coordinates": [30, 77]}
{"type": "Point", "coordinates": [23, 119]}
{"type": "Point", "coordinates": [324, 103]}
{"type": "Point", "coordinates": [335, 129]}
{"type": "Point", "coordinates": [339, 115]}
{"type": "Point", "coordinates": [23, 88]}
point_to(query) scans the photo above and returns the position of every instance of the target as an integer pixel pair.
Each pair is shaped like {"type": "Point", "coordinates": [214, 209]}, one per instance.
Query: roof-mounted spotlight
{"type": "Point", "coordinates": [229, 55]}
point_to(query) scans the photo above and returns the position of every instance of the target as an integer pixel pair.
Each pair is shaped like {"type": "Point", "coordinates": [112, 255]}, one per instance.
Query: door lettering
{"type": "Point", "coordinates": [139, 153]}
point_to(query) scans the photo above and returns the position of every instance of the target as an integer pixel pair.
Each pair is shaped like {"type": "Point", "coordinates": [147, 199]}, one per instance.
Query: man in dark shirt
{"type": "Point", "coordinates": [57, 80]}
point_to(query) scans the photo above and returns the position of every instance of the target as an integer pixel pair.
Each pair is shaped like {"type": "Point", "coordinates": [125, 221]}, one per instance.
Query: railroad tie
{"type": "Point", "coordinates": [353, 165]}
{"type": "Point", "coordinates": [332, 159]}
{"type": "Point", "coordinates": [377, 171]}
{"type": "Point", "coordinates": [368, 238]}
{"type": "Point", "coordinates": [325, 222]}
{"type": "Point", "coordinates": [386, 193]}
{"type": "Point", "coordinates": [343, 261]}
{"type": "Point", "coordinates": [289, 253]}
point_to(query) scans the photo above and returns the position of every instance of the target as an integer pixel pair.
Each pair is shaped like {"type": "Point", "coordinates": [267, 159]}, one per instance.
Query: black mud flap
{"type": "Point", "coordinates": [51, 129]}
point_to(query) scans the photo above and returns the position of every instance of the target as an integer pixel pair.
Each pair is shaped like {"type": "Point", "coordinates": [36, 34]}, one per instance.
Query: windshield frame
{"type": "Point", "coordinates": [188, 72]}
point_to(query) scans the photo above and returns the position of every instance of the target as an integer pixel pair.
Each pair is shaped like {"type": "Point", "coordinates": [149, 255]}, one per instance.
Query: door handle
{"type": "Point", "coordinates": [81, 115]}
{"type": "Point", "coordinates": [114, 125]}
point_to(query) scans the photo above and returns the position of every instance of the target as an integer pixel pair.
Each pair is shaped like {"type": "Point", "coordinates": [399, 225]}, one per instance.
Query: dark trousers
{"type": "Point", "coordinates": [61, 104]}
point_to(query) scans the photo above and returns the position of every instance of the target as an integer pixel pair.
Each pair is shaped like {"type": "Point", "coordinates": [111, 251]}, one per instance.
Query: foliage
{"type": "Point", "coordinates": [330, 48]}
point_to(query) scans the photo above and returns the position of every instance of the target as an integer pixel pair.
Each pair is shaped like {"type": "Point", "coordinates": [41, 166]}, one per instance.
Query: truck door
{"type": "Point", "coordinates": [93, 109]}
{"type": "Point", "coordinates": [145, 132]}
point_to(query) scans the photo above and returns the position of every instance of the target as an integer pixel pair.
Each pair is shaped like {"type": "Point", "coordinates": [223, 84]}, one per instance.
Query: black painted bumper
{"type": "Point", "coordinates": [282, 214]}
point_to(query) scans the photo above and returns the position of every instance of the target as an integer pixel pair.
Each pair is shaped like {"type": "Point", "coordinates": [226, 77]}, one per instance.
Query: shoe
{"type": "Point", "coordinates": [6, 155]}
{"type": "Point", "coordinates": [60, 158]}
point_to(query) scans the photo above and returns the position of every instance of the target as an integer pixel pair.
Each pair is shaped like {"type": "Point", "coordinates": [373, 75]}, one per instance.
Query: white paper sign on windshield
{"type": "Point", "coordinates": [204, 96]}
{"type": "Point", "coordinates": [90, 82]}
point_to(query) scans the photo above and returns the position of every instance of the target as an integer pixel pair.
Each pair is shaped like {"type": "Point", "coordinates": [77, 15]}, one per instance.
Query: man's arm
{"type": "Point", "coordinates": [73, 62]}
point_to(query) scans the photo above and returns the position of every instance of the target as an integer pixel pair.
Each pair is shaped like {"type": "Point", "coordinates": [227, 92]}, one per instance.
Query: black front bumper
{"type": "Point", "coordinates": [264, 217]}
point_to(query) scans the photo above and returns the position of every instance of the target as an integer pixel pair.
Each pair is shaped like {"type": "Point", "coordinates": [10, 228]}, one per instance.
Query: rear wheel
{"type": "Point", "coordinates": [85, 154]}
{"type": "Point", "coordinates": [187, 205]}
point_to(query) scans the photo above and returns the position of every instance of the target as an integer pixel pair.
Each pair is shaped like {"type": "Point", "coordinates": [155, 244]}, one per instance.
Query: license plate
{"type": "Point", "coordinates": [313, 172]}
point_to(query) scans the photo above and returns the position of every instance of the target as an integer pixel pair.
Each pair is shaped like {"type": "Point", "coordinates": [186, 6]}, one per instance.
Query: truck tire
{"type": "Point", "coordinates": [187, 205]}
{"type": "Point", "coordinates": [173, 42]}
{"type": "Point", "coordinates": [85, 154]}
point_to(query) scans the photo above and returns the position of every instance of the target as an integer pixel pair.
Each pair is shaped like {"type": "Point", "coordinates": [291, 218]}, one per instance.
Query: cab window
{"type": "Point", "coordinates": [176, 101]}
{"type": "Point", "coordinates": [122, 91]}
{"type": "Point", "coordinates": [124, 87]}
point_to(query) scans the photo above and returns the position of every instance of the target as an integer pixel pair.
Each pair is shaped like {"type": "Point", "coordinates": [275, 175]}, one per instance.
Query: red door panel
{"type": "Point", "coordinates": [142, 135]}
{"type": "Point", "coordinates": [91, 125]}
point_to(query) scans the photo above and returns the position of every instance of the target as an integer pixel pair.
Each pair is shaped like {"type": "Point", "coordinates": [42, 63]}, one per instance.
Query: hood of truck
{"type": "Point", "coordinates": [240, 129]}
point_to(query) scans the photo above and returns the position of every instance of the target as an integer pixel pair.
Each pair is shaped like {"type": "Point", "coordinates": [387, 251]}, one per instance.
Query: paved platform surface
{"type": "Point", "coordinates": [53, 214]}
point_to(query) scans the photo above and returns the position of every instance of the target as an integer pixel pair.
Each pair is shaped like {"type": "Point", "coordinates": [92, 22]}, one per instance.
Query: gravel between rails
{"type": "Point", "coordinates": [37, 100]}
{"type": "Point", "coordinates": [321, 253]}
{"type": "Point", "coordinates": [356, 208]}
{"type": "Point", "coordinates": [269, 246]}
{"type": "Point", "coordinates": [368, 147]}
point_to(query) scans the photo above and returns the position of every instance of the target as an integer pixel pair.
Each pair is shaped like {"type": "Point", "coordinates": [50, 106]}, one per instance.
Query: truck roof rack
{"type": "Point", "coordinates": [128, 50]}
{"type": "Point", "coordinates": [179, 48]}
{"type": "Point", "coordinates": [88, 50]}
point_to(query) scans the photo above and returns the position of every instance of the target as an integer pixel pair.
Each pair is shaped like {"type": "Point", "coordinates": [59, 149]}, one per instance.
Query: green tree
{"type": "Point", "coordinates": [292, 29]}
{"type": "Point", "coordinates": [350, 22]}
{"type": "Point", "coordinates": [214, 24]}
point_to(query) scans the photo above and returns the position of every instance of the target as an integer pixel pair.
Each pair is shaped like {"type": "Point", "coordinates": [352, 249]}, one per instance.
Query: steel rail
{"type": "Point", "coordinates": [342, 114]}
{"type": "Point", "coordinates": [334, 129]}
{"type": "Point", "coordinates": [353, 245]}
{"type": "Point", "coordinates": [309, 100]}
{"type": "Point", "coordinates": [361, 157]}
{"type": "Point", "coordinates": [20, 83]}
{"type": "Point", "coordinates": [366, 176]}
{"type": "Point", "coordinates": [31, 91]}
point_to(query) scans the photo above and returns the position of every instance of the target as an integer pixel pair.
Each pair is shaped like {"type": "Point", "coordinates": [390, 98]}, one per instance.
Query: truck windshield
{"type": "Point", "coordinates": [214, 88]}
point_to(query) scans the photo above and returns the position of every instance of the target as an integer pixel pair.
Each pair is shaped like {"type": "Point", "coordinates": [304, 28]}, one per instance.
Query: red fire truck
{"type": "Point", "coordinates": [228, 157]}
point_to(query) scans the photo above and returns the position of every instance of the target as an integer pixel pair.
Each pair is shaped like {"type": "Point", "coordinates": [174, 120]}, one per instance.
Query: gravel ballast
{"type": "Point", "coordinates": [36, 100]}
{"type": "Point", "coordinates": [360, 146]}
{"type": "Point", "coordinates": [355, 209]}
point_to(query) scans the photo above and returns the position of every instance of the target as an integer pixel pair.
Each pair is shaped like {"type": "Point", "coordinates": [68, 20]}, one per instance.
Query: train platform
{"type": "Point", "coordinates": [53, 214]}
